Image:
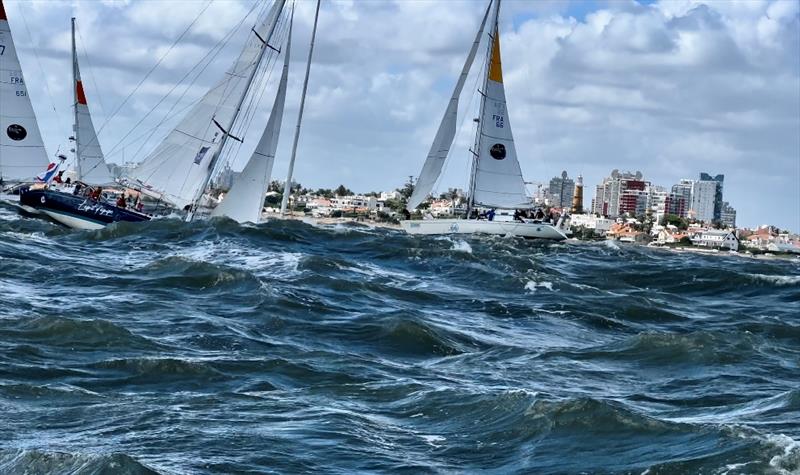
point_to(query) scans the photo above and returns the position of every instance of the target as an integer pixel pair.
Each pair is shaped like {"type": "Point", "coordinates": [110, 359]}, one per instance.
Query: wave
{"type": "Point", "coordinates": [78, 334]}
{"type": "Point", "coordinates": [38, 461]}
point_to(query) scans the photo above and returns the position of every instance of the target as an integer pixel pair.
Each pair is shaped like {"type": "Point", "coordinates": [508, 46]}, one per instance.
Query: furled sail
{"type": "Point", "coordinates": [498, 181]}
{"type": "Point", "coordinates": [245, 199]}
{"type": "Point", "coordinates": [91, 166]}
{"type": "Point", "coordinates": [180, 166]}
{"type": "Point", "coordinates": [446, 133]}
{"type": "Point", "coordinates": [22, 153]}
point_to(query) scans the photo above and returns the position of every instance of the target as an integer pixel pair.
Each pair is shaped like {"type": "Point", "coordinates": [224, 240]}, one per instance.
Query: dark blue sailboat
{"type": "Point", "coordinates": [77, 210]}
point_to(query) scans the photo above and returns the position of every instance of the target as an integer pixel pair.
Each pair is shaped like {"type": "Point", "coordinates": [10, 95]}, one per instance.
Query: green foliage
{"type": "Point", "coordinates": [276, 186]}
{"type": "Point", "coordinates": [395, 204]}
{"type": "Point", "coordinates": [675, 220]}
{"type": "Point", "coordinates": [325, 193]}
{"type": "Point", "coordinates": [341, 190]}
{"type": "Point", "coordinates": [273, 200]}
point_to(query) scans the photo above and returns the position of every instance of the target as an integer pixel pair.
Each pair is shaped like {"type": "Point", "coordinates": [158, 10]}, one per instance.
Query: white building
{"type": "Point", "coordinates": [716, 238]}
{"type": "Point", "coordinates": [590, 221]}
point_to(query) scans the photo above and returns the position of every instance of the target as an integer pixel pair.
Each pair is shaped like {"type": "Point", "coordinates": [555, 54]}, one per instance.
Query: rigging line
{"type": "Point", "coordinates": [91, 72]}
{"type": "Point", "coordinates": [265, 77]}
{"type": "Point", "coordinates": [227, 91]}
{"type": "Point", "coordinates": [163, 57]}
{"type": "Point", "coordinates": [215, 50]}
{"type": "Point", "coordinates": [41, 69]}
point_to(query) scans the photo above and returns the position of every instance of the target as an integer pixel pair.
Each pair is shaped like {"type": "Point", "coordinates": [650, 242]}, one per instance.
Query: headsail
{"type": "Point", "coordinates": [245, 199]}
{"type": "Point", "coordinates": [91, 166]}
{"type": "Point", "coordinates": [447, 130]}
{"type": "Point", "coordinates": [22, 153]}
{"type": "Point", "coordinates": [181, 164]}
{"type": "Point", "coordinates": [497, 178]}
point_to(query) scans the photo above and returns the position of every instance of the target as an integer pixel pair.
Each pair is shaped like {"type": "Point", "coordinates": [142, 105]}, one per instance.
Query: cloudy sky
{"type": "Point", "coordinates": [671, 88]}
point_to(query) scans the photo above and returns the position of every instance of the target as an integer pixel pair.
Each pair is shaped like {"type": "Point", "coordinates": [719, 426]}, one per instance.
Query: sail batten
{"type": "Point", "coordinates": [245, 198]}
{"type": "Point", "coordinates": [181, 164]}
{"type": "Point", "coordinates": [22, 152]}
{"type": "Point", "coordinates": [446, 133]}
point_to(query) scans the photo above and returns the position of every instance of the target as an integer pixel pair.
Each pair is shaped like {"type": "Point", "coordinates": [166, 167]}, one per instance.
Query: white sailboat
{"type": "Point", "coordinates": [22, 152]}
{"type": "Point", "coordinates": [496, 179]}
{"type": "Point", "coordinates": [90, 165]}
{"type": "Point", "coordinates": [245, 199]}
{"type": "Point", "coordinates": [181, 166]}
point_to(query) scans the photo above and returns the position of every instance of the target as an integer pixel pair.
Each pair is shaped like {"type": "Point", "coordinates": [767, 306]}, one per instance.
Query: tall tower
{"type": "Point", "coordinates": [577, 198]}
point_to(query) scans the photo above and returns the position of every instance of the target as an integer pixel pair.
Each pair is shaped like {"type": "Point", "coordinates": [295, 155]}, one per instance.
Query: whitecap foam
{"type": "Point", "coordinates": [532, 285]}
{"type": "Point", "coordinates": [462, 246]}
{"type": "Point", "coordinates": [777, 279]}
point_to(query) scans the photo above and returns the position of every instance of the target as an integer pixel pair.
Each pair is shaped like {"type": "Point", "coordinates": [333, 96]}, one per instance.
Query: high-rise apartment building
{"type": "Point", "coordinates": [703, 198]}
{"type": "Point", "coordinates": [718, 181]}
{"type": "Point", "coordinates": [562, 190]}
{"type": "Point", "coordinates": [621, 193]}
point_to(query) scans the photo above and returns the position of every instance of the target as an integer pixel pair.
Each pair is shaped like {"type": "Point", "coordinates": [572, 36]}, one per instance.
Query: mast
{"type": "Point", "coordinates": [75, 131]}
{"type": "Point", "coordinates": [479, 130]}
{"type": "Point", "coordinates": [213, 162]}
{"type": "Point", "coordinates": [287, 188]}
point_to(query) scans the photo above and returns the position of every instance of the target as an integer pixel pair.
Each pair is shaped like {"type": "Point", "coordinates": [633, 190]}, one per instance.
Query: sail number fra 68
{"type": "Point", "coordinates": [499, 120]}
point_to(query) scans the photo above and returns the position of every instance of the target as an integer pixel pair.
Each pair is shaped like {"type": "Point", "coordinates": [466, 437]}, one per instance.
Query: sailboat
{"type": "Point", "coordinates": [496, 177]}
{"type": "Point", "coordinates": [69, 206]}
{"type": "Point", "coordinates": [22, 152]}
{"type": "Point", "coordinates": [178, 171]}
{"type": "Point", "coordinates": [245, 199]}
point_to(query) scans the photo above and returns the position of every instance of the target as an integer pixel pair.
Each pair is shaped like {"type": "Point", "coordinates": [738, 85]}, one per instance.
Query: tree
{"type": "Point", "coordinates": [276, 186]}
{"type": "Point", "coordinates": [675, 220]}
{"type": "Point", "coordinates": [407, 189]}
{"type": "Point", "coordinates": [324, 192]}
{"type": "Point", "coordinates": [343, 191]}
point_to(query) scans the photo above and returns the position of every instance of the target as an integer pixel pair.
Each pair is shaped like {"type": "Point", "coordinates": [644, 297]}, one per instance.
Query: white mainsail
{"type": "Point", "coordinates": [180, 166]}
{"type": "Point", "coordinates": [245, 199]}
{"type": "Point", "coordinates": [497, 177]}
{"type": "Point", "coordinates": [91, 166]}
{"type": "Point", "coordinates": [447, 131]}
{"type": "Point", "coordinates": [22, 153]}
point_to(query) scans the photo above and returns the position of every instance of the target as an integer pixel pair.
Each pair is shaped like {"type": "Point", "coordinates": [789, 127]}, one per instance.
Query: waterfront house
{"type": "Point", "coordinates": [716, 238]}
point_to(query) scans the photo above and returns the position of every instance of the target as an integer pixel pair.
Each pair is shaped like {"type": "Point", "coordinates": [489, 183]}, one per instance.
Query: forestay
{"type": "Point", "coordinates": [22, 153]}
{"type": "Point", "coordinates": [440, 147]}
{"type": "Point", "coordinates": [498, 181]}
{"type": "Point", "coordinates": [180, 165]}
{"type": "Point", "coordinates": [245, 199]}
{"type": "Point", "coordinates": [91, 166]}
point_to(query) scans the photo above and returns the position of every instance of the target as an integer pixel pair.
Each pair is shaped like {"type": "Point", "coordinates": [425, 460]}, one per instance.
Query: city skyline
{"type": "Point", "coordinates": [669, 88]}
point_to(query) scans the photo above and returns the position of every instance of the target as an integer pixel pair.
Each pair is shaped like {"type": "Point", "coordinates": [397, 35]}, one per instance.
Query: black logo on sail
{"type": "Point", "coordinates": [16, 132]}
{"type": "Point", "coordinates": [498, 151]}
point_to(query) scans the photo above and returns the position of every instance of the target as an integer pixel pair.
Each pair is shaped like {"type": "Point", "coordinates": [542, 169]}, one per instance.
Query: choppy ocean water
{"type": "Point", "coordinates": [281, 348]}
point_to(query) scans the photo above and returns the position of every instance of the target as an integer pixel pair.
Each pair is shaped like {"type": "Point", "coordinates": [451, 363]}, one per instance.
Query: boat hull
{"type": "Point", "coordinates": [472, 226]}
{"type": "Point", "coordinates": [75, 211]}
